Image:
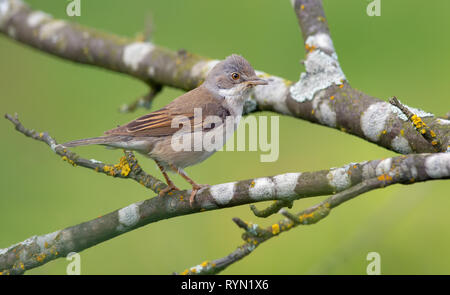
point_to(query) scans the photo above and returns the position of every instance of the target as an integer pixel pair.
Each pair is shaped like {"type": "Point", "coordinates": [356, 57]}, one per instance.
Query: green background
{"type": "Point", "coordinates": [404, 52]}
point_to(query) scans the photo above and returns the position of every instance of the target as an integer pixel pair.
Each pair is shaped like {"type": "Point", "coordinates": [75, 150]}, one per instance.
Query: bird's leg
{"type": "Point", "coordinates": [195, 186]}
{"type": "Point", "coordinates": [170, 185]}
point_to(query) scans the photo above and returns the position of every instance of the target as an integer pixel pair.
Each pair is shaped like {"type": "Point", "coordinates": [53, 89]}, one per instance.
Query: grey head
{"type": "Point", "coordinates": [233, 76]}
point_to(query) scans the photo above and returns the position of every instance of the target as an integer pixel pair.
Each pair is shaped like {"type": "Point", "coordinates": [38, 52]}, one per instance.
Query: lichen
{"type": "Point", "coordinates": [322, 71]}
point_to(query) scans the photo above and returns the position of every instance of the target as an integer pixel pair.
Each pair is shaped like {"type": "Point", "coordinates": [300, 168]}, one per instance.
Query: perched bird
{"type": "Point", "coordinates": [220, 97]}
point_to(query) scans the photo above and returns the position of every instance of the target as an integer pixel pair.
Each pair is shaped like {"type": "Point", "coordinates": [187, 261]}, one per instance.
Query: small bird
{"type": "Point", "coordinates": [222, 95]}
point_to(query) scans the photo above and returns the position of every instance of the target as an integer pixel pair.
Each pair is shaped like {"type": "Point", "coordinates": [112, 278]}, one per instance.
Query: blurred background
{"type": "Point", "coordinates": [403, 52]}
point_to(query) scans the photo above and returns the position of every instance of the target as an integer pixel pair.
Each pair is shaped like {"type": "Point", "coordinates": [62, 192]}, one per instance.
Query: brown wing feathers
{"type": "Point", "coordinates": [158, 123]}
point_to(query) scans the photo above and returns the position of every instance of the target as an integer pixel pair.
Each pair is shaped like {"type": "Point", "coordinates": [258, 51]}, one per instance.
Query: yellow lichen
{"type": "Point", "coordinates": [302, 7]}
{"type": "Point", "coordinates": [384, 177]}
{"type": "Point", "coordinates": [275, 229]}
{"type": "Point", "coordinates": [204, 263]}
{"type": "Point", "coordinates": [185, 272]}
{"type": "Point", "coordinates": [40, 257]}
{"type": "Point", "coordinates": [252, 184]}
{"type": "Point", "coordinates": [332, 97]}
{"type": "Point", "coordinates": [432, 133]}
{"type": "Point", "coordinates": [417, 121]}
{"type": "Point", "coordinates": [310, 48]}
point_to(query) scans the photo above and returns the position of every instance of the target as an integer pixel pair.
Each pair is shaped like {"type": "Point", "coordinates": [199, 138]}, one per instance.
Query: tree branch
{"type": "Point", "coordinates": [322, 95]}
{"type": "Point", "coordinates": [404, 170]}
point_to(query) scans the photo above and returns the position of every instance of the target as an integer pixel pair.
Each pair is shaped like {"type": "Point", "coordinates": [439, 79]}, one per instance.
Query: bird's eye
{"type": "Point", "coordinates": [235, 76]}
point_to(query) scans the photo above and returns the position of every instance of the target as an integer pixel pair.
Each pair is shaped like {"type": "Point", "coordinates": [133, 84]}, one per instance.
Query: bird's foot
{"type": "Point", "coordinates": [170, 187]}
{"type": "Point", "coordinates": [195, 188]}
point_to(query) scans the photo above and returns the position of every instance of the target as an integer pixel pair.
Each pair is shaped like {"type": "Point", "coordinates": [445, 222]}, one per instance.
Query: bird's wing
{"type": "Point", "coordinates": [159, 123]}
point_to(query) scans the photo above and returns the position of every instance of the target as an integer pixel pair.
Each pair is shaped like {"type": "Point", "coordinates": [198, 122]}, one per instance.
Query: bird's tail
{"type": "Point", "coordinates": [105, 140]}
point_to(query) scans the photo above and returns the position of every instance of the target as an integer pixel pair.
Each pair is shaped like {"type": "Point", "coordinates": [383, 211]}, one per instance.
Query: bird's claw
{"type": "Point", "coordinates": [195, 189]}
{"type": "Point", "coordinates": [169, 188]}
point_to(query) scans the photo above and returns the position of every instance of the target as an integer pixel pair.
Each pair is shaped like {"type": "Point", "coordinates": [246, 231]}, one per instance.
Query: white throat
{"type": "Point", "coordinates": [235, 98]}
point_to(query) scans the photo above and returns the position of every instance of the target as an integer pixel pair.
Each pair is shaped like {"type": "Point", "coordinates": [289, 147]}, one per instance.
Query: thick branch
{"type": "Point", "coordinates": [322, 95]}
{"type": "Point", "coordinates": [397, 170]}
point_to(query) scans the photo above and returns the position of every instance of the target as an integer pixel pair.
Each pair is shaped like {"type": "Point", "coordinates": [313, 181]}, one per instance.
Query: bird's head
{"type": "Point", "coordinates": [233, 77]}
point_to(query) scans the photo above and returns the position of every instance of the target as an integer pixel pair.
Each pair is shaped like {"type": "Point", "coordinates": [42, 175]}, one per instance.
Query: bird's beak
{"type": "Point", "coordinates": [256, 81]}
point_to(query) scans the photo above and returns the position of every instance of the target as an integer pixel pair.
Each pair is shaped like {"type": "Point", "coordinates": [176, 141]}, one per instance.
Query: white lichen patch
{"type": "Point", "coordinates": [128, 216]}
{"type": "Point", "coordinates": [8, 9]}
{"type": "Point", "coordinates": [222, 193]}
{"type": "Point", "coordinates": [401, 145]}
{"type": "Point", "coordinates": [338, 178]}
{"type": "Point", "coordinates": [321, 41]}
{"type": "Point", "coordinates": [202, 68]}
{"type": "Point", "coordinates": [414, 172]}
{"type": "Point", "coordinates": [438, 166]}
{"type": "Point", "coordinates": [443, 121]}
{"type": "Point", "coordinates": [368, 171]}
{"type": "Point", "coordinates": [50, 29]}
{"type": "Point", "coordinates": [418, 112]}
{"type": "Point", "coordinates": [324, 113]}
{"type": "Point", "coordinates": [322, 71]}
{"type": "Point", "coordinates": [151, 71]}
{"type": "Point", "coordinates": [36, 18]}
{"type": "Point", "coordinates": [135, 53]}
{"type": "Point", "coordinates": [261, 189]}
{"type": "Point", "coordinates": [285, 184]}
{"type": "Point", "coordinates": [53, 146]}
{"type": "Point", "coordinates": [94, 161]}
{"type": "Point", "coordinates": [253, 229]}
{"type": "Point", "coordinates": [44, 241]}
{"type": "Point", "coordinates": [196, 269]}
{"type": "Point", "coordinates": [4, 8]}
{"type": "Point", "coordinates": [273, 94]}
{"type": "Point", "coordinates": [383, 167]}
{"type": "Point", "coordinates": [12, 32]}
{"type": "Point", "coordinates": [374, 119]}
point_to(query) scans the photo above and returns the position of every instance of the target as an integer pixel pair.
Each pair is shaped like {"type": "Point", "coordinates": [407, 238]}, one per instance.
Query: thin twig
{"type": "Point", "coordinates": [420, 126]}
